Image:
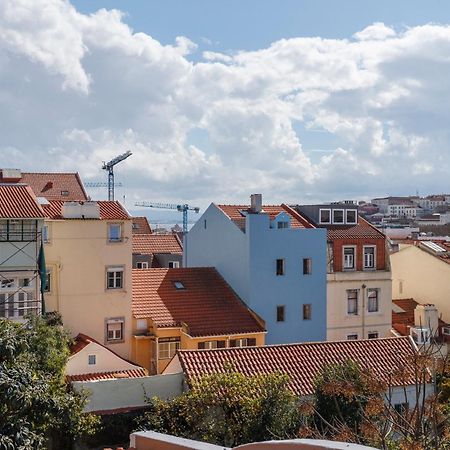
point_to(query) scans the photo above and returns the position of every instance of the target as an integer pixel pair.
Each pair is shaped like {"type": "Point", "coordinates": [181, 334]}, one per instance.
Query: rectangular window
{"type": "Point", "coordinates": [243, 342]}
{"type": "Point", "coordinates": [174, 264]}
{"type": "Point", "coordinates": [92, 360]}
{"type": "Point", "coordinates": [307, 266]}
{"type": "Point", "coordinates": [338, 216]}
{"type": "Point", "coordinates": [3, 230]}
{"type": "Point", "coordinates": [114, 330]}
{"type": "Point", "coordinates": [167, 347]}
{"type": "Point", "coordinates": [352, 337]}
{"type": "Point", "coordinates": [15, 230]}
{"type": "Point", "coordinates": [401, 408]}
{"type": "Point", "coordinates": [325, 216]}
{"type": "Point", "coordinates": [352, 302]}
{"type": "Point", "coordinates": [21, 304]}
{"type": "Point", "coordinates": [7, 283]}
{"type": "Point", "coordinates": [282, 225]}
{"type": "Point", "coordinates": [280, 266]}
{"type": "Point", "coordinates": [24, 282]}
{"type": "Point", "coordinates": [48, 285]}
{"type": "Point", "coordinates": [307, 311]}
{"type": "Point", "coordinates": [114, 278]}
{"type": "Point", "coordinates": [142, 265]}
{"type": "Point", "coordinates": [3, 305]}
{"type": "Point", "coordinates": [372, 300]}
{"type": "Point", "coordinates": [372, 334]}
{"type": "Point", "coordinates": [369, 257]}
{"type": "Point", "coordinates": [114, 232]}
{"type": "Point", "coordinates": [280, 313]}
{"type": "Point", "coordinates": [45, 234]}
{"type": "Point", "coordinates": [349, 258]}
{"type": "Point", "coordinates": [350, 216]}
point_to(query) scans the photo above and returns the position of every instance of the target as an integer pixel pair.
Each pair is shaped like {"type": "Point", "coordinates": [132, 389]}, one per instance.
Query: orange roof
{"type": "Point", "coordinates": [206, 304]}
{"type": "Point", "coordinates": [148, 244]}
{"type": "Point", "coordinates": [235, 214]}
{"type": "Point", "coordinates": [303, 362]}
{"type": "Point", "coordinates": [141, 225]}
{"type": "Point", "coordinates": [109, 210]}
{"type": "Point", "coordinates": [137, 373]}
{"type": "Point", "coordinates": [56, 186]}
{"type": "Point", "coordinates": [17, 201]}
{"type": "Point", "coordinates": [363, 229]}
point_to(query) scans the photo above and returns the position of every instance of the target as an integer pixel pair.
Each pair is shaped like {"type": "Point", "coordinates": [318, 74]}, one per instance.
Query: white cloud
{"type": "Point", "coordinates": [76, 89]}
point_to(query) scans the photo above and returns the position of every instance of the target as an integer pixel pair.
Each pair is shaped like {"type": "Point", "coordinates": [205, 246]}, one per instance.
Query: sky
{"type": "Point", "coordinates": [302, 101]}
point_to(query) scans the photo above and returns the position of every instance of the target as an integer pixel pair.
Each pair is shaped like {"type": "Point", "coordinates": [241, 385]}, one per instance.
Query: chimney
{"type": "Point", "coordinates": [426, 316]}
{"type": "Point", "coordinates": [256, 203]}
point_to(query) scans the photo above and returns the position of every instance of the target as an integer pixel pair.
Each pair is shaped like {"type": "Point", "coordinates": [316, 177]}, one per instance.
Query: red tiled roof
{"type": "Point", "coordinates": [234, 213]}
{"type": "Point", "coordinates": [362, 230]}
{"type": "Point", "coordinates": [148, 244]}
{"type": "Point", "coordinates": [303, 362]}
{"type": "Point", "coordinates": [141, 225]}
{"type": "Point", "coordinates": [109, 210]}
{"type": "Point", "coordinates": [51, 185]}
{"type": "Point", "coordinates": [137, 373]}
{"type": "Point", "coordinates": [207, 304]}
{"type": "Point", "coordinates": [17, 201]}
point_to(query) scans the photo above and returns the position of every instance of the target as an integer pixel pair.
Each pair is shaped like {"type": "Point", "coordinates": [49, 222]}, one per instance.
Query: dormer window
{"type": "Point", "coordinates": [178, 285]}
{"type": "Point", "coordinates": [282, 224]}
{"type": "Point", "coordinates": [350, 216]}
{"type": "Point", "coordinates": [325, 216]}
{"type": "Point", "coordinates": [338, 216]}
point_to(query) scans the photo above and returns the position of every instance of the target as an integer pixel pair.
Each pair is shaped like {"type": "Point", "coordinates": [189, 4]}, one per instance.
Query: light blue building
{"type": "Point", "coordinates": [273, 258]}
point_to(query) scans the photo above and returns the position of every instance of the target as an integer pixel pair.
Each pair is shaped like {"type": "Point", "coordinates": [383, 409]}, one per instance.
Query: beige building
{"type": "Point", "coordinates": [88, 250]}
{"type": "Point", "coordinates": [421, 269]}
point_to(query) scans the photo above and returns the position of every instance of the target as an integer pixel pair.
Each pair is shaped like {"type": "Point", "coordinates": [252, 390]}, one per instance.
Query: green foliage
{"type": "Point", "coordinates": [228, 409]}
{"type": "Point", "coordinates": [37, 408]}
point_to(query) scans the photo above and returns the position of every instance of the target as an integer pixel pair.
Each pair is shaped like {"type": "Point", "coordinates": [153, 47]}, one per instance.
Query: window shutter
{"type": "Point", "coordinates": [251, 342]}
{"type": "Point", "coordinates": [201, 345]}
{"type": "Point", "coordinates": [232, 342]}
{"type": "Point", "coordinates": [220, 344]}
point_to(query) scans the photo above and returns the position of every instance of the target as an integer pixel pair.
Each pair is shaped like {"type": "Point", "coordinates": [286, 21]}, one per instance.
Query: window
{"type": "Point", "coordinates": [307, 266]}
{"type": "Point", "coordinates": [6, 283]}
{"type": "Point", "coordinates": [372, 334]}
{"type": "Point", "coordinates": [372, 300]}
{"type": "Point", "coordinates": [48, 285]}
{"type": "Point", "coordinates": [350, 216]}
{"type": "Point", "coordinates": [349, 258]}
{"type": "Point", "coordinates": [92, 360]}
{"type": "Point", "coordinates": [114, 330]}
{"type": "Point", "coordinates": [167, 347]}
{"type": "Point", "coordinates": [282, 225]}
{"type": "Point", "coordinates": [114, 232]}
{"type": "Point", "coordinates": [243, 342]}
{"type": "Point", "coordinates": [141, 324]}
{"type": "Point", "coordinates": [401, 408]}
{"type": "Point", "coordinates": [24, 282]}
{"type": "Point", "coordinates": [352, 302]}
{"type": "Point", "coordinates": [18, 230]}
{"type": "Point", "coordinates": [325, 216]}
{"type": "Point", "coordinates": [178, 285]}
{"type": "Point", "coordinates": [209, 345]}
{"type": "Point", "coordinates": [65, 193]}
{"type": "Point", "coordinates": [307, 309]}
{"type": "Point", "coordinates": [3, 230]}
{"type": "Point", "coordinates": [204, 224]}
{"type": "Point", "coordinates": [352, 337]}
{"type": "Point", "coordinates": [142, 265]}
{"type": "Point", "coordinates": [280, 266]}
{"type": "Point", "coordinates": [45, 234]}
{"type": "Point", "coordinates": [338, 216]}
{"type": "Point", "coordinates": [174, 264]}
{"type": "Point", "coordinates": [369, 257]}
{"type": "Point", "coordinates": [115, 278]}
{"type": "Point", "coordinates": [280, 313]}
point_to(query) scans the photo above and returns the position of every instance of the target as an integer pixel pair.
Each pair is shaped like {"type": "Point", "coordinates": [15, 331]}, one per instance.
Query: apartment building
{"type": "Point", "coordinates": [273, 258]}
{"type": "Point", "coordinates": [359, 285]}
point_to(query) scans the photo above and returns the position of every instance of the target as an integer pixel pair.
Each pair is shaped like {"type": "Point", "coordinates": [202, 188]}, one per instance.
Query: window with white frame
{"type": "Point", "coordinates": [325, 216]}
{"type": "Point", "coordinates": [114, 330]}
{"type": "Point", "coordinates": [240, 342]}
{"type": "Point", "coordinates": [372, 335]}
{"type": "Point", "coordinates": [352, 337]}
{"type": "Point", "coordinates": [45, 234]}
{"type": "Point", "coordinates": [372, 300]}
{"type": "Point", "coordinates": [114, 277]}
{"type": "Point", "coordinates": [351, 216]}
{"type": "Point", "coordinates": [18, 297]}
{"type": "Point", "coordinates": [92, 360]}
{"type": "Point", "coordinates": [338, 216]}
{"type": "Point", "coordinates": [174, 264]}
{"type": "Point", "coordinates": [167, 347]}
{"type": "Point", "coordinates": [352, 302]}
{"type": "Point", "coordinates": [369, 257]}
{"type": "Point", "coordinates": [349, 258]}
{"type": "Point", "coordinates": [114, 232]}
{"type": "Point", "coordinates": [142, 265]}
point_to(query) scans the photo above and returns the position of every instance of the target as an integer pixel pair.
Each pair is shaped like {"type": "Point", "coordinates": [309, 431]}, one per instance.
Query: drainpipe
{"type": "Point", "coordinates": [363, 312]}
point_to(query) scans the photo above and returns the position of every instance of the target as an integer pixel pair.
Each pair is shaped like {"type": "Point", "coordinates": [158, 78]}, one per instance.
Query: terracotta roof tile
{"type": "Point", "coordinates": [234, 213]}
{"type": "Point", "coordinates": [149, 244]}
{"type": "Point", "coordinates": [362, 230]}
{"type": "Point", "coordinates": [138, 373]}
{"type": "Point", "coordinates": [17, 201]}
{"type": "Point", "coordinates": [53, 186]}
{"type": "Point", "coordinates": [141, 225]}
{"type": "Point", "coordinates": [302, 362]}
{"type": "Point", "coordinates": [207, 304]}
{"type": "Point", "coordinates": [109, 210]}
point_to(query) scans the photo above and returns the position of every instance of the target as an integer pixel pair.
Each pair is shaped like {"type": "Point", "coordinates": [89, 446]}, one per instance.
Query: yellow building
{"type": "Point", "coordinates": [88, 251]}
{"type": "Point", "coordinates": [190, 308]}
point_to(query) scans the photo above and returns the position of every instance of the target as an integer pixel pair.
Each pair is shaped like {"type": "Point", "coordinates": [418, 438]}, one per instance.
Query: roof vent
{"type": "Point", "coordinates": [256, 203]}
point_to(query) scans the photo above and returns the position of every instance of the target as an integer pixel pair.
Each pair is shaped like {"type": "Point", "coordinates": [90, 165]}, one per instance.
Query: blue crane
{"type": "Point", "coordinates": [184, 208]}
{"type": "Point", "coordinates": [109, 166]}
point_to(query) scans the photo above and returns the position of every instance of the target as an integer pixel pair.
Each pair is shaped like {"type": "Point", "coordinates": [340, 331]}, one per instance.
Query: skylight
{"type": "Point", "coordinates": [433, 247]}
{"type": "Point", "coordinates": [178, 285]}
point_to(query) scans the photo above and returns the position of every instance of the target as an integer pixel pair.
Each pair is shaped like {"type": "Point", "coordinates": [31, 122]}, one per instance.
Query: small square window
{"type": "Point", "coordinates": [178, 285]}
{"type": "Point", "coordinates": [307, 311]}
{"type": "Point", "coordinates": [92, 360]}
{"type": "Point", "coordinates": [114, 232]}
{"type": "Point", "coordinates": [280, 313]}
{"type": "Point", "coordinates": [352, 337]}
{"type": "Point", "coordinates": [338, 216]}
{"type": "Point", "coordinates": [24, 282]}
{"type": "Point", "coordinates": [350, 216]}
{"type": "Point", "coordinates": [142, 265]}
{"type": "Point", "coordinates": [174, 264]}
{"type": "Point", "coordinates": [280, 267]}
{"type": "Point", "coordinates": [307, 266]}
{"type": "Point", "coordinates": [325, 216]}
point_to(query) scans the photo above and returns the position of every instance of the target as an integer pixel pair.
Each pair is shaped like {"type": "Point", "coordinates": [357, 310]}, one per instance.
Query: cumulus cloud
{"type": "Point", "coordinates": [77, 89]}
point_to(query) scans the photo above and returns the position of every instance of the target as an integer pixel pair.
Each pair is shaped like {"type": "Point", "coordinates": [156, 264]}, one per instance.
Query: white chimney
{"type": "Point", "coordinates": [256, 203]}
{"type": "Point", "coordinates": [426, 316]}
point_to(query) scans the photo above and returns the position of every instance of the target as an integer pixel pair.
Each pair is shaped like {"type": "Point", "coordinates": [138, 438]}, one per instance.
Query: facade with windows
{"type": "Point", "coordinates": [359, 281]}
{"type": "Point", "coordinates": [88, 254]}
{"type": "Point", "coordinates": [157, 250]}
{"type": "Point", "coordinates": [273, 258]}
{"type": "Point", "coordinates": [21, 223]}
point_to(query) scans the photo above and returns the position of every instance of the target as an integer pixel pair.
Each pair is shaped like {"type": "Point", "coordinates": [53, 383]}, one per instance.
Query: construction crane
{"type": "Point", "coordinates": [109, 166]}
{"type": "Point", "coordinates": [97, 184]}
{"type": "Point", "coordinates": [184, 208]}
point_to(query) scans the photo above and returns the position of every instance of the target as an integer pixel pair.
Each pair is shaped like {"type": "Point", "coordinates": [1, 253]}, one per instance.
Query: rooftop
{"type": "Point", "coordinates": [149, 244]}
{"type": "Point", "coordinates": [363, 229]}
{"type": "Point", "coordinates": [198, 297]}
{"type": "Point", "coordinates": [17, 201]}
{"type": "Point", "coordinates": [109, 210]}
{"type": "Point", "coordinates": [388, 358]}
{"type": "Point", "coordinates": [141, 225]}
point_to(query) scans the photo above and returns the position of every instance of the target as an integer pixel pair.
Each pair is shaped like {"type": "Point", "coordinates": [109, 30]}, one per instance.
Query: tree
{"type": "Point", "coordinates": [37, 409]}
